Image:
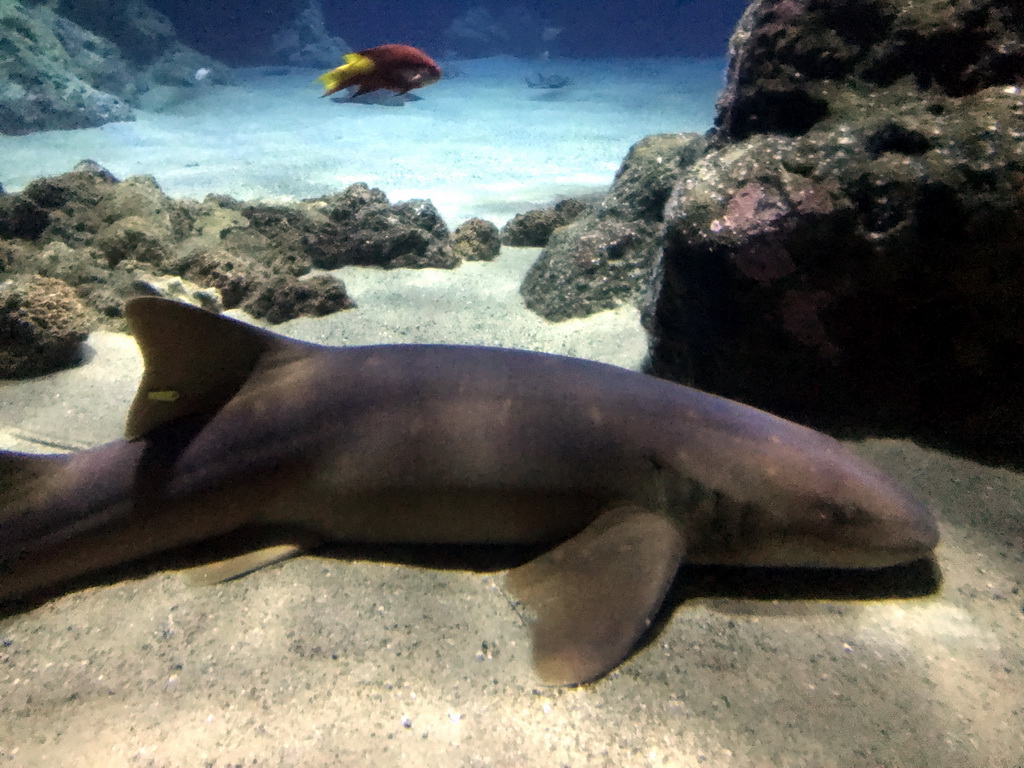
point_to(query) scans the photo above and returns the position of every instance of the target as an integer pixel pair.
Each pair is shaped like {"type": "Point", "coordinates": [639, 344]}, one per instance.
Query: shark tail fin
{"type": "Point", "coordinates": [19, 471]}
{"type": "Point", "coordinates": [24, 478]}
{"type": "Point", "coordinates": [195, 361]}
{"type": "Point", "coordinates": [356, 64]}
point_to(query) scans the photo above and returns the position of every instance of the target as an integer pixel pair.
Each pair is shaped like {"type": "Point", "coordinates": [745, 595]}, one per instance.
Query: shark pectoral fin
{"type": "Point", "coordinates": [594, 595]}
{"type": "Point", "coordinates": [233, 567]}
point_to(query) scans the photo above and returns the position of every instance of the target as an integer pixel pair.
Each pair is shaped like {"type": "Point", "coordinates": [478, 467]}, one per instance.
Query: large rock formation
{"type": "Point", "coordinates": [241, 33]}
{"type": "Point", "coordinates": [57, 74]}
{"type": "Point", "coordinates": [515, 30]}
{"type": "Point", "coordinates": [83, 64]}
{"type": "Point", "coordinates": [849, 252]}
{"type": "Point", "coordinates": [305, 42]}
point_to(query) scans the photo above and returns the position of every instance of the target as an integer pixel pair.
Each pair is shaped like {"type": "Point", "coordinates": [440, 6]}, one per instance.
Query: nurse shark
{"type": "Point", "coordinates": [617, 477]}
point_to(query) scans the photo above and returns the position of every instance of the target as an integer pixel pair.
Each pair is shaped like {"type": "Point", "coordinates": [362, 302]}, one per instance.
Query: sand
{"type": "Point", "coordinates": [335, 659]}
{"type": "Point", "coordinates": [480, 143]}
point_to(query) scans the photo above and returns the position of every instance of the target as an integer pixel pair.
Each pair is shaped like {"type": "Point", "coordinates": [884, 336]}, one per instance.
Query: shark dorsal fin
{"type": "Point", "coordinates": [195, 360]}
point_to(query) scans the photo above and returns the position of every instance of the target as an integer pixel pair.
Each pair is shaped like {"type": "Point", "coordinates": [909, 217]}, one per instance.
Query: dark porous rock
{"type": "Point", "coordinates": [794, 63]}
{"type": "Point", "coordinates": [140, 197]}
{"type": "Point", "coordinates": [533, 229]}
{"type": "Point", "coordinates": [132, 219]}
{"type": "Point", "coordinates": [16, 256]}
{"type": "Point", "coordinates": [285, 297]}
{"type": "Point", "coordinates": [100, 287]}
{"type": "Point", "coordinates": [244, 239]}
{"type": "Point", "coordinates": [363, 228]}
{"type": "Point", "coordinates": [87, 183]}
{"type": "Point", "coordinates": [77, 267]}
{"type": "Point", "coordinates": [296, 240]}
{"type": "Point", "coordinates": [224, 201]}
{"type": "Point", "coordinates": [858, 266]}
{"type": "Point", "coordinates": [607, 257]}
{"type": "Point", "coordinates": [131, 279]}
{"type": "Point", "coordinates": [589, 266]}
{"type": "Point", "coordinates": [647, 176]}
{"type": "Point", "coordinates": [129, 219]}
{"type": "Point", "coordinates": [69, 201]}
{"type": "Point", "coordinates": [21, 218]}
{"type": "Point", "coordinates": [99, 234]}
{"type": "Point", "coordinates": [420, 219]}
{"type": "Point", "coordinates": [42, 325]}
{"type": "Point", "coordinates": [476, 240]}
{"type": "Point", "coordinates": [130, 238]}
{"type": "Point", "coordinates": [345, 207]}
{"type": "Point", "coordinates": [234, 275]}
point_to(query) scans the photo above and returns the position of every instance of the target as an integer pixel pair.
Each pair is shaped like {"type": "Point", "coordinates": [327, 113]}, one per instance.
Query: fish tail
{"type": "Point", "coordinates": [356, 64]}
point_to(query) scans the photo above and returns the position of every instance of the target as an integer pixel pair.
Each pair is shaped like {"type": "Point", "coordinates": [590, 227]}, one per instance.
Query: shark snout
{"type": "Point", "coordinates": [909, 535]}
{"type": "Point", "coordinates": [881, 525]}
{"type": "Point", "coordinates": [862, 521]}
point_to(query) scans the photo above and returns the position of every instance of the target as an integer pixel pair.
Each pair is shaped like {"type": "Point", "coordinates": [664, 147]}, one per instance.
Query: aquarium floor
{"type": "Point", "coordinates": [336, 659]}
{"type": "Point", "coordinates": [332, 660]}
{"type": "Point", "coordinates": [479, 143]}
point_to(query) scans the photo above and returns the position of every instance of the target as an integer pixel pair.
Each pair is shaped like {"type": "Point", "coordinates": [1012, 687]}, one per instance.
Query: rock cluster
{"type": "Point", "coordinates": [97, 241]}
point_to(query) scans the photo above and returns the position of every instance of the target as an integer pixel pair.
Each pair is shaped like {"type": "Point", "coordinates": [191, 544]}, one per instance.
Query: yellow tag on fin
{"type": "Point", "coordinates": [163, 395]}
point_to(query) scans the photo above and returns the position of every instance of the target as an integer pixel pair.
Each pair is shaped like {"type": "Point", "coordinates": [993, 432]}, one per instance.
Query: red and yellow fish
{"type": "Point", "coordinates": [393, 67]}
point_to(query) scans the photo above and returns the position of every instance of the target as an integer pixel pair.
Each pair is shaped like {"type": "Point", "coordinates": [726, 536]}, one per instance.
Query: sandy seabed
{"type": "Point", "coordinates": [478, 143]}
{"type": "Point", "coordinates": [328, 661]}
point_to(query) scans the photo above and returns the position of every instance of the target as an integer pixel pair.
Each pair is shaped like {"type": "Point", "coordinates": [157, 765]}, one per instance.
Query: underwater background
{"type": "Point", "coordinates": [812, 207]}
{"type": "Point", "coordinates": [239, 32]}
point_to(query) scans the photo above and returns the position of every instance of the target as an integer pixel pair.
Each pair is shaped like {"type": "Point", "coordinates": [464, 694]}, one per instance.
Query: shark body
{"type": "Point", "coordinates": [235, 428]}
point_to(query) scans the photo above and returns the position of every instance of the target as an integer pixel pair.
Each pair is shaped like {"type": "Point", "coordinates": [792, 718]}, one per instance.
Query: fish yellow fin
{"type": "Point", "coordinates": [195, 360]}
{"type": "Point", "coordinates": [594, 595]}
{"type": "Point", "coordinates": [356, 64]}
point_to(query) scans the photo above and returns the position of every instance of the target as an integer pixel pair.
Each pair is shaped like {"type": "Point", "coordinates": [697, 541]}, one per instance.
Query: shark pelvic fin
{"type": "Point", "coordinates": [594, 595]}
{"type": "Point", "coordinates": [233, 567]}
{"type": "Point", "coordinates": [195, 360]}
